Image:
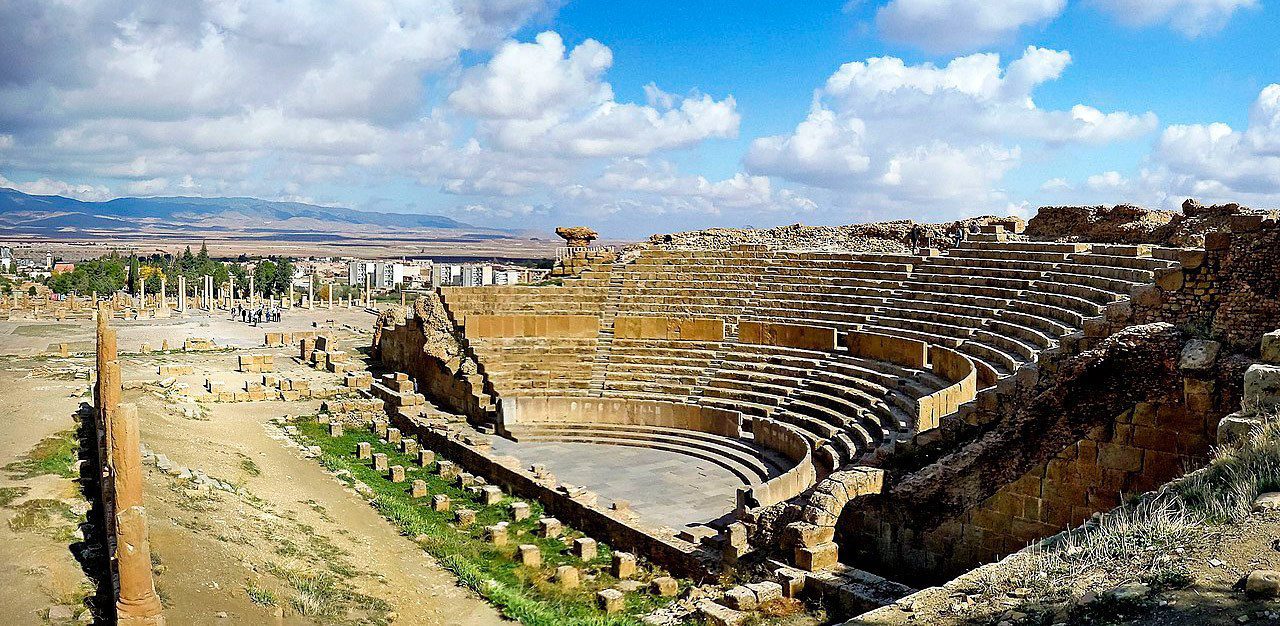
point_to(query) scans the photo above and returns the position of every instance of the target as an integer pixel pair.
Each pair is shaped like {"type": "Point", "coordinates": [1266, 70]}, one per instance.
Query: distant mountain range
{"type": "Point", "coordinates": [57, 216]}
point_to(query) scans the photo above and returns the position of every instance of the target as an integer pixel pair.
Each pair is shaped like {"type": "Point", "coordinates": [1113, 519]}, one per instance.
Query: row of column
{"type": "Point", "coordinates": [120, 447]}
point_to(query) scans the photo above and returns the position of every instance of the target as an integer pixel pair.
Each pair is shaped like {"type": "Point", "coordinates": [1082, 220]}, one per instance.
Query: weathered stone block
{"type": "Point", "coordinates": [529, 555]}
{"type": "Point", "coordinates": [448, 470]}
{"type": "Point", "coordinates": [364, 450]}
{"type": "Point", "coordinates": [817, 558]}
{"type": "Point", "coordinates": [585, 548]}
{"type": "Point", "coordinates": [766, 591]}
{"type": "Point", "coordinates": [419, 489]}
{"type": "Point", "coordinates": [718, 614]}
{"type": "Point", "coordinates": [664, 586]}
{"type": "Point", "coordinates": [1234, 428]}
{"type": "Point", "coordinates": [393, 435]}
{"type": "Point", "coordinates": [409, 447]}
{"type": "Point", "coordinates": [465, 479]}
{"type": "Point", "coordinates": [549, 527]}
{"type": "Point", "coordinates": [1120, 457]}
{"type": "Point", "coordinates": [496, 534]}
{"type": "Point", "coordinates": [396, 473]}
{"type": "Point", "coordinates": [623, 565]}
{"type": "Point", "coordinates": [426, 457]}
{"type": "Point", "coordinates": [490, 495]}
{"type": "Point", "coordinates": [568, 577]}
{"type": "Point", "coordinates": [1263, 583]}
{"type": "Point", "coordinates": [440, 502]}
{"type": "Point", "coordinates": [380, 462]}
{"type": "Point", "coordinates": [740, 598]}
{"type": "Point", "coordinates": [1262, 388]}
{"type": "Point", "coordinates": [464, 518]}
{"type": "Point", "coordinates": [519, 511]}
{"type": "Point", "coordinates": [1199, 356]}
{"type": "Point", "coordinates": [1271, 347]}
{"type": "Point", "coordinates": [335, 429]}
{"type": "Point", "coordinates": [611, 600]}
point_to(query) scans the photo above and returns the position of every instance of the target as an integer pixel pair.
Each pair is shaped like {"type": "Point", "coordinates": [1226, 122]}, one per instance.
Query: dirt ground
{"type": "Point", "coordinates": [264, 536]}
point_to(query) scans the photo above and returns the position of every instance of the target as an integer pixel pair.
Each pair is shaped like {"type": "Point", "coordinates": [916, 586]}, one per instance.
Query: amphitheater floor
{"type": "Point", "coordinates": [664, 488]}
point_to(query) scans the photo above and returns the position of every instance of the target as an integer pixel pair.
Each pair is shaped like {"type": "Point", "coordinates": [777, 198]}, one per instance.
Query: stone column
{"type": "Point", "coordinates": [311, 290]}
{"type": "Point", "coordinates": [137, 602]}
{"type": "Point", "coordinates": [252, 294]}
{"type": "Point", "coordinates": [368, 290]}
{"type": "Point", "coordinates": [291, 293]}
{"type": "Point", "coordinates": [401, 298]}
{"type": "Point", "coordinates": [330, 296]}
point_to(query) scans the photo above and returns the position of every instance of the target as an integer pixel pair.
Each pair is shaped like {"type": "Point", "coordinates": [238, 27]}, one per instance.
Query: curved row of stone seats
{"type": "Point", "coordinates": [644, 368]}
{"type": "Point", "coordinates": [844, 405]}
{"type": "Point", "coordinates": [525, 366]}
{"type": "Point", "coordinates": [750, 463]}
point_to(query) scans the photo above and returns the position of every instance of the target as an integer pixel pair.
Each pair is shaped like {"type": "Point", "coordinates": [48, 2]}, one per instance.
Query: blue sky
{"type": "Point", "coordinates": [640, 117]}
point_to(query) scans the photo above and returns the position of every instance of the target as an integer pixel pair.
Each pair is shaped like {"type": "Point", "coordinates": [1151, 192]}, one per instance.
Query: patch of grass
{"type": "Point", "coordinates": [260, 596]}
{"type": "Point", "coordinates": [55, 455]}
{"type": "Point", "coordinates": [9, 494]}
{"type": "Point", "coordinates": [324, 595]}
{"type": "Point", "coordinates": [249, 467]}
{"type": "Point", "coordinates": [53, 518]}
{"type": "Point", "coordinates": [521, 593]}
{"type": "Point", "coordinates": [1225, 490]}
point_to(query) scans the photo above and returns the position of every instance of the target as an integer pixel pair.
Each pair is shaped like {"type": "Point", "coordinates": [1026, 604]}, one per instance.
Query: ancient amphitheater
{"type": "Point", "coordinates": [863, 423]}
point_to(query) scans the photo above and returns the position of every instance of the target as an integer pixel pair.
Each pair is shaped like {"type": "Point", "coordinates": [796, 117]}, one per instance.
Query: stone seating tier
{"type": "Point", "coordinates": [999, 303]}
{"type": "Point", "coordinates": [750, 464]}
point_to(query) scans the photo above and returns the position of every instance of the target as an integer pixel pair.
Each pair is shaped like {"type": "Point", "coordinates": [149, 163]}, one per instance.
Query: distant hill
{"type": "Point", "coordinates": [56, 215]}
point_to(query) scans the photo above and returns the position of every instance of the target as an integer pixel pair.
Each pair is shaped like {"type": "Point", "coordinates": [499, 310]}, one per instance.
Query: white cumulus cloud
{"type": "Point", "coordinates": [894, 132]}
{"type": "Point", "coordinates": [961, 25]}
{"type": "Point", "coordinates": [541, 97]}
{"type": "Point", "coordinates": [1192, 18]}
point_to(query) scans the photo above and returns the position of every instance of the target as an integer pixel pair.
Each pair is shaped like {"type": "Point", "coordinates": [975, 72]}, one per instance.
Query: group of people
{"type": "Point", "coordinates": [919, 238]}
{"type": "Point", "coordinates": [255, 315]}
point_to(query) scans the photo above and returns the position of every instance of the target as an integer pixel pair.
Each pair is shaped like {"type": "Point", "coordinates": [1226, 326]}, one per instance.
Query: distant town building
{"type": "Point", "coordinates": [59, 268]}
{"type": "Point", "coordinates": [386, 275]}
{"type": "Point", "coordinates": [481, 274]}
{"type": "Point", "coordinates": [6, 260]}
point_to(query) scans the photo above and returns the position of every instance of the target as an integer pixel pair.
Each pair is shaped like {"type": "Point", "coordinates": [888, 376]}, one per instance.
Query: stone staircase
{"type": "Point", "coordinates": [604, 346]}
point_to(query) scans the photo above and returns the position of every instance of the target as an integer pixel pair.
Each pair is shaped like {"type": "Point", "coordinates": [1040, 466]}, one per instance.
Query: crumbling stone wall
{"type": "Point", "coordinates": [1129, 224]}
{"type": "Point", "coordinates": [1229, 291]}
{"type": "Point", "coordinates": [430, 349]}
{"type": "Point", "coordinates": [887, 237]}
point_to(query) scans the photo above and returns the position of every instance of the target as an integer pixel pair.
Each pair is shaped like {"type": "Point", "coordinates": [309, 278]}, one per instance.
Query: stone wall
{"type": "Point", "coordinates": [668, 328]}
{"type": "Point", "coordinates": [1229, 290]}
{"type": "Point", "coordinates": [544, 409]}
{"type": "Point", "coordinates": [787, 335]}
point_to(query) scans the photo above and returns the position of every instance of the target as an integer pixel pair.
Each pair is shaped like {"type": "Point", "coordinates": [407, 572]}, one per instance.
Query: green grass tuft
{"type": "Point", "coordinates": [55, 455]}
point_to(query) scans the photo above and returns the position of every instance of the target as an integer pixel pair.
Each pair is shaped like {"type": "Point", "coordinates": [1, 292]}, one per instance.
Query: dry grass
{"type": "Point", "coordinates": [1146, 539]}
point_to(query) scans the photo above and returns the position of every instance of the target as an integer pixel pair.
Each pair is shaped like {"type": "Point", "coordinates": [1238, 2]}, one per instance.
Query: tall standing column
{"type": "Point", "coordinates": [330, 296]}
{"type": "Point", "coordinates": [311, 291]}
{"type": "Point", "coordinates": [290, 293]}
{"type": "Point", "coordinates": [137, 602]}
{"type": "Point", "coordinates": [252, 294]}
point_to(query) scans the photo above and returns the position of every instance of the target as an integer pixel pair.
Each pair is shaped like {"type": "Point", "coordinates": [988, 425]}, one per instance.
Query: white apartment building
{"type": "Point", "coordinates": [386, 275]}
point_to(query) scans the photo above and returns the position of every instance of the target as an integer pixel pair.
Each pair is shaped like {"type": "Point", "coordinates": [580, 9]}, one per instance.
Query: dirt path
{"type": "Point", "coordinates": [289, 517]}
